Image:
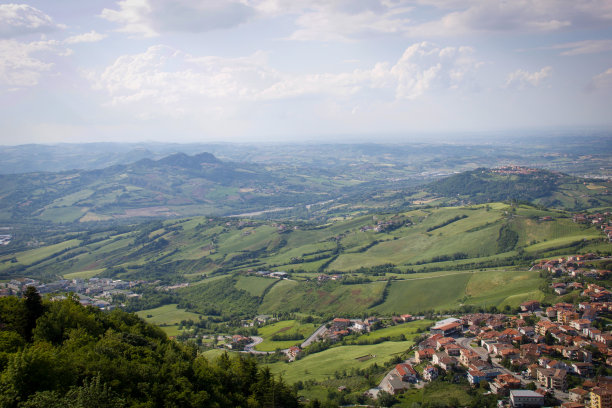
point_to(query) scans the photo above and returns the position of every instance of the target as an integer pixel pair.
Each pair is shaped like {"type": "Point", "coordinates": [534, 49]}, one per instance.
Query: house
{"type": "Point", "coordinates": [430, 373]}
{"type": "Point", "coordinates": [578, 394]}
{"type": "Point", "coordinates": [601, 397]}
{"type": "Point", "coordinates": [443, 360]}
{"type": "Point", "coordinates": [443, 342]}
{"type": "Point", "coordinates": [406, 317]}
{"type": "Point", "coordinates": [526, 398]}
{"type": "Point", "coordinates": [503, 383]}
{"type": "Point", "coordinates": [293, 352]}
{"type": "Point", "coordinates": [447, 329]}
{"type": "Point", "coordinates": [340, 324]}
{"type": "Point", "coordinates": [530, 306]}
{"type": "Point", "coordinates": [583, 369]}
{"type": "Point", "coordinates": [407, 373]}
{"type": "Point", "coordinates": [425, 354]}
{"type": "Point", "coordinates": [476, 374]}
{"type": "Point", "coordinates": [393, 384]}
{"type": "Point", "coordinates": [552, 378]}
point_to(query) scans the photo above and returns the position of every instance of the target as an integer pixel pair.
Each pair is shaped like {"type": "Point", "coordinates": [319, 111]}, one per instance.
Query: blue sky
{"type": "Point", "coordinates": [292, 70]}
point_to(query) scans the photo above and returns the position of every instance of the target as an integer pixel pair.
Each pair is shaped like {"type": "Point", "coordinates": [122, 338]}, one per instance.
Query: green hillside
{"type": "Point", "coordinates": [380, 258]}
{"type": "Point", "coordinates": [537, 186]}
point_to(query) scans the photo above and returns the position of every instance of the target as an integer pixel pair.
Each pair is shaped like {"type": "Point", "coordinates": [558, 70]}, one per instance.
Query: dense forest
{"type": "Point", "coordinates": [61, 354]}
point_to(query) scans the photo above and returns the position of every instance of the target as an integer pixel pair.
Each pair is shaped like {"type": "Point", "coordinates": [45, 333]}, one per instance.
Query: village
{"type": "Point", "coordinates": [102, 293]}
{"type": "Point", "coordinates": [556, 355]}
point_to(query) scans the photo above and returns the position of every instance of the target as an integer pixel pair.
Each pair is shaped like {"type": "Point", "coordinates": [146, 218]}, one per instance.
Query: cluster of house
{"type": "Point", "coordinates": [271, 274]}
{"type": "Point", "coordinates": [601, 219]}
{"type": "Point", "coordinates": [573, 266]}
{"type": "Point", "coordinates": [383, 225]}
{"type": "Point", "coordinates": [508, 353]}
{"type": "Point", "coordinates": [514, 170]}
{"type": "Point", "coordinates": [98, 292]}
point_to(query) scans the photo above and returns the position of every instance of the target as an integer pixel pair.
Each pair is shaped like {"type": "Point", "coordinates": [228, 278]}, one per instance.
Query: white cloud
{"type": "Point", "coordinates": [346, 19]}
{"type": "Point", "coordinates": [151, 17]}
{"type": "Point", "coordinates": [584, 47]}
{"type": "Point", "coordinates": [152, 81]}
{"type": "Point", "coordinates": [89, 37]}
{"type": "Point", "coordinates": [601, 81]}
{"type": "Point", "coordinates": [523, 79]}
{"type": "Point", "coordinates": [20, 19]}
{"type": "Point", "coordinates": [21, 63]}
{"type": "Point", "coordinates": [482, 16]}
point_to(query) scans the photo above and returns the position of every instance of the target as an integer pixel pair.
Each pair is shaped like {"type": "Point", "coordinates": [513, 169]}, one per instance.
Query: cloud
{"type": "Point", "coordinates": [601, 81]}
{"type": "Point", "coordinates": [21, 64]}
{"type": "Point", "coordinates": [523, 79]}
{"type": "Point", "coordinates": [89, 37]}
{"type": "Point", "coordinates": [21, 19]}
{"type": "Point", "coordinates": [584, 47]}
{"type": "Point", "coordinates": [149, 18]}
{"type": "Point", "coordinates": [530, 16]}
{"type": "Point", "coordinates": [347, 19]}
{"type": "Point", "coordinates": [152, 81]}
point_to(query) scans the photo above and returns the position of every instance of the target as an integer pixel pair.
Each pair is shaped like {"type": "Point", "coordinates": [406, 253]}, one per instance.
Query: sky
{"type": "Point", "coordinates": [295, 70]}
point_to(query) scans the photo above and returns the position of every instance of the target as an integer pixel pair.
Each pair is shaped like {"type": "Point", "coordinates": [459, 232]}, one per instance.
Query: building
{"type": "Point", "coordinates": [526, 398]}
{"type": "Point", "coordinates": [552, 378]}
{"type": "Point", "coordinates": [407, 373]}
{"type": "Point", "coordinates": [601, 398]}
{"type": "Point", "coordinates": [447, 329]}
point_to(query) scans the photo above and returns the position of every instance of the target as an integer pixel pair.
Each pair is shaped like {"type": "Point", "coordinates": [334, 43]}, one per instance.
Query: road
{"type": "Point", "coordinates": [250, 348]}
{"type": "Point", "coordinates": [314, 336]}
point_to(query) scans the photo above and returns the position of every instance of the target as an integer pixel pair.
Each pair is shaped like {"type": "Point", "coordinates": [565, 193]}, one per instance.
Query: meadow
{"type": "Point", "coordinates": [323, 365]}
{"type": "Point", "coordinates": [284, 328]}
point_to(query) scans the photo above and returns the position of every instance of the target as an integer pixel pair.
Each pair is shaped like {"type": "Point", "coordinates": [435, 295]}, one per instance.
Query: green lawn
{"type": "Point", "coordinates": [167, 315]}
{"type": "Point", "coordinates": [320, 366]}
{"type": "Point", "coordinates": [407, 329]}
{"type": "Point", "coordinates": [285, 327]}
{"type": "Point", "coordinates": [255, 285]}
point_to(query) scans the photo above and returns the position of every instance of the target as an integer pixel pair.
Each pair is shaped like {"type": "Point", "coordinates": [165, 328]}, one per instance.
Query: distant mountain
{"type": "Point", "coordinates": [175, 185]}
{"type": "Point", "coordinates": [538, 186]}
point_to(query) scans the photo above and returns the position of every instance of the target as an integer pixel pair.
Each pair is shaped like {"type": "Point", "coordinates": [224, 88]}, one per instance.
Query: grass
{"type": "Point", "coordinates": [83, 274]}
{"type": "Point", "coordinates": [331, 297]}
{"type": "Point", "coordinates": [167, 315]}
{"type": "Point", "coordinates": [407, 329]}
{"type": "Point", "coordinates": [284, 327]}
{"type": "Point", "coordinates": [320, 366]}
{"type": "Point", "coordinates": [439, 392]}
{"type": "Point", "coordinates": [442, 292]}
{"type": "Point", "coordinates": [39, 254]}
{"type": "Point", "coordinates": [254, 285]}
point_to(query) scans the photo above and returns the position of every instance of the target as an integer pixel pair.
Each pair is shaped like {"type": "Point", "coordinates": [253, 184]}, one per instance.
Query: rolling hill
{"type": "Point", "coordinates": [215, 255]}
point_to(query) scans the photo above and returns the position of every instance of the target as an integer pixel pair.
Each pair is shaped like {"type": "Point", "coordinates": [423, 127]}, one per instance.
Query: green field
{"type": "Point", "coordinates": [167, 315]}
{"type": "Point", "coordinates": [331, 297]}
{"type": "Point", "coordinates": [285, 327]}
{"type": "Point", "coordinates": [320, 366]}
{"type": "Point", "coordinates": [254, 285]}
{"type": "Point", "coordinates": [407, 329]}
{"type": "Point", "coordinates": [481, 288]}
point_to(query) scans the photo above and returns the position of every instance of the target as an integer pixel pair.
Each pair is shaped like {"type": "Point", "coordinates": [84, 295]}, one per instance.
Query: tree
{"type": "Point", "coordinates": [34, 309]}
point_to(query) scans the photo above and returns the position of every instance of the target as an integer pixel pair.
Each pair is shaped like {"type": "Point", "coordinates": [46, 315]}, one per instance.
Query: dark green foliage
{"type": "Point", "coordinates": [84, 358]}
{"type": "Point", "coordinates": [481, 185]}
{"type": "Point", "coordinates": [447, 222]}
{"type": "Point", "coordinates": [507, 239]}
{"type": "Point", "coordinates": [219, 297]}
